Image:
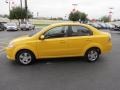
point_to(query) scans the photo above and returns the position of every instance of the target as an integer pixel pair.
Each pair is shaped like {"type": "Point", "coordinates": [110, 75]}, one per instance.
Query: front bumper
{"type": "Point", "coordinates": [10, 53]}
{"type": "Point", "coordinates": [11, 29]}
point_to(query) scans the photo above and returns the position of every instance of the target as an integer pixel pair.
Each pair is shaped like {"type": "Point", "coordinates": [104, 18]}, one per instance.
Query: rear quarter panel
{"type": "Point", "coordinates": [101, 41]}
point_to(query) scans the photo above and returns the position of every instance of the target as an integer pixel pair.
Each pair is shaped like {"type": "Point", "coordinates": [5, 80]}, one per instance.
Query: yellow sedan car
{"type": "Point", "coordinates": [60, 40]}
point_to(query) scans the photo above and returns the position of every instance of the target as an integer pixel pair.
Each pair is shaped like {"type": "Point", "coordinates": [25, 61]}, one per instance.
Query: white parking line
{"type": "Point", "coordinates": [1, 53]}
{"type": "Point", "coordinates": [3, 42]}
{"type": "Point", "coordinates": [2, 50]}
{"type": "Point", "coordinates": [1, 39]}
{"type": "Point", "coordinates": [1, 46]}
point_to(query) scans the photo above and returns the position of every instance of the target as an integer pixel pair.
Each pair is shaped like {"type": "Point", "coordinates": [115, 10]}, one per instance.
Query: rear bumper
{"type": "Point", "coordinates": [107, 48]}
{"type": "Point", "coordinates": [25, 29]}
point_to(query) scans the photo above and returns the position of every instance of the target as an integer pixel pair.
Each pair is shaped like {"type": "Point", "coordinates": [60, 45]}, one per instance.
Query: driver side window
{"type": "Point", "coordinates": [56, 32]}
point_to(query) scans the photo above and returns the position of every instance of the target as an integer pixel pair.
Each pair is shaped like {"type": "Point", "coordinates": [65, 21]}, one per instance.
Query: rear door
{"type": "Point", "coordinates": [78, 38]}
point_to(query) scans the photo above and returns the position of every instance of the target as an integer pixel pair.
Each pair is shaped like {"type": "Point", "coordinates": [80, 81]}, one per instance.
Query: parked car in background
{"type": "Point", "coordinates": [11, 27]}
{"type": "Point", "coordinates": [110, 26]}
{"type": "Point", "coordinates": [96, 25]}
{"type": "Point", "coordinates": [60, 40]}
{"type": "Point", "coordinates": [27, 26]}
{"type": "Point", "coordinates": [117, 27]}
{"type": "Point", "coordinates": [107, 26]}
{"type": "Point", "coordinates": [2, 27]}
{"type": "Point", "coordinates": [32, 27]}
{"type": "Point", "coordinates": [103, 25]}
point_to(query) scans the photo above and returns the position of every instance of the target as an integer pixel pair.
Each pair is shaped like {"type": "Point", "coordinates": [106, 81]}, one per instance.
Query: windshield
{"type": "Point", "coordinates": [11, 24]}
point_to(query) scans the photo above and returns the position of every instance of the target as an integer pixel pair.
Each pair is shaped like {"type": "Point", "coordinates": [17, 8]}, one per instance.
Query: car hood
{"type": "Point", "coordinates": [19, 39]}
{"type": "Point", "coordinates": [11, 27]}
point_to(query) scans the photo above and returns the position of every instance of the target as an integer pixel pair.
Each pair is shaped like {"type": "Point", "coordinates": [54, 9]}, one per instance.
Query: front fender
{"type": "Point", "coordinates": [28, 47]}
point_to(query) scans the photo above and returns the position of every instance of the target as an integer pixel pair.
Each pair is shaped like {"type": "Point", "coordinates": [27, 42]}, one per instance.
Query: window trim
{"type": "Point", "coordinates": [56, 37]}
{"type": "Point", "coordinates": [91, 32]}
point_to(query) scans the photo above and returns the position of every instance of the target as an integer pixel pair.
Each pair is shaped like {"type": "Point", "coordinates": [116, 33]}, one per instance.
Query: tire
{"type": "Point", "coordinates": [92, 55]}
{"type": "Point", "coordinates": [25, 57]}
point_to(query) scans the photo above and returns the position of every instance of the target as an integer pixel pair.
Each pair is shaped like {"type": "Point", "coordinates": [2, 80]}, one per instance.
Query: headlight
{"type": "Point", "coordinates": [10, 45]}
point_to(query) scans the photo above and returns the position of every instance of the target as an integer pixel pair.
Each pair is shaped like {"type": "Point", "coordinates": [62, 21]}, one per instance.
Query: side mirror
{"type": "Point", "coordinates": [42, 37]}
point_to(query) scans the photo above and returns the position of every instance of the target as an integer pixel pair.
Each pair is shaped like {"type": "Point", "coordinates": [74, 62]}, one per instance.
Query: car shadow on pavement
{"type": "Point", "coordinates": [70, 60]}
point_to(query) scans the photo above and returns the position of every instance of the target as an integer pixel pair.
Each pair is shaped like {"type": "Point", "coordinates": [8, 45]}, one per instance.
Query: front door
{"type": "Point", "coordinates": [54, 44]}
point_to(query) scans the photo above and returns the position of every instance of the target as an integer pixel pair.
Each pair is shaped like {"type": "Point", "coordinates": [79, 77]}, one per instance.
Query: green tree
{"type": "Point", "coordinates": [77, 15]}
{"type": "Point", "coordinates": [19, 13]}
{"type": "Point", "coordinates": [83, 17]}
{"type": "Point", "coordinates": [105, 19]}
{"type": "Point", "coordinates": [74, 16]}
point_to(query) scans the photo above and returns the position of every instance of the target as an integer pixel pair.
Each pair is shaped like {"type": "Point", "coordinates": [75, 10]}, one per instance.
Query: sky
{"type": "Point", "coordinates": [62, 8]}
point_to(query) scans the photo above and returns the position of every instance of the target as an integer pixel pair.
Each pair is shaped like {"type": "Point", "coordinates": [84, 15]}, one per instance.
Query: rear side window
{"type": "Point", "coordinates": [79, 31]}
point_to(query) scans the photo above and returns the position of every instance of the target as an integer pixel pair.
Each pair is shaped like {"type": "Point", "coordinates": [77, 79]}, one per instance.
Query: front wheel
{"type": "Point", "coordinates": [25, 57]}
{"type": "Point", "coordinates": [92, 55]}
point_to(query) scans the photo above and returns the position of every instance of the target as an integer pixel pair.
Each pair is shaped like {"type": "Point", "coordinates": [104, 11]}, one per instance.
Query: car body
{"type": "Point", "coordinates": [2, 27]}
{"type": "Point", "coordinates": [60, 40]}
{"type": "Point", "coordinates": [24, 27]}
{"type": "Point", "coordinates": [27, 26]}
{"type": "Point", "coordinates": [11, 27]}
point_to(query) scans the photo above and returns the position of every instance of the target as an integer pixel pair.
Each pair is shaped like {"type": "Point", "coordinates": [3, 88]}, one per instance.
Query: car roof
{"type": "Point", "coordinates": [65, 24]}
{"type": "Point", "coordinates": [68, 23]}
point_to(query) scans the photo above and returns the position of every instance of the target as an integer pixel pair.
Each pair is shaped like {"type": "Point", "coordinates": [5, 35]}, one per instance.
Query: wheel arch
{"type": "Point", "coordinates": [95, 46]}
{"type": "Point", "coordinates": [30, 47]}
{"type": "Point", "coordinates": [25, 50]}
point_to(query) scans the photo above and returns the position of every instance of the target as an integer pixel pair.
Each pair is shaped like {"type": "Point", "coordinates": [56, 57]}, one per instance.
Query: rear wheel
{"type": "Point", "coordinates": [25, 57]}
{"type": "Point", "coordinates": [92, 55]}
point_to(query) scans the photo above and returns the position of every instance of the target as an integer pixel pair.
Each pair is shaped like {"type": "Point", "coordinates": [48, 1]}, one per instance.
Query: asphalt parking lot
{"type": "Point", "coordinates": [60, 74]}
